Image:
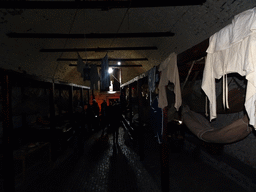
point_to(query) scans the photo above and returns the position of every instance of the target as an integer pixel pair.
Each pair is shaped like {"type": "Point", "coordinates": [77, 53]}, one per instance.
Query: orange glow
{"type": "Point", "coordinates": [104, 96]}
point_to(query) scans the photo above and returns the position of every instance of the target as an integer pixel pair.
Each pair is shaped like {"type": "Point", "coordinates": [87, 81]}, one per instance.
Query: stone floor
{"type": "Point", "coordinates": [108, 167]}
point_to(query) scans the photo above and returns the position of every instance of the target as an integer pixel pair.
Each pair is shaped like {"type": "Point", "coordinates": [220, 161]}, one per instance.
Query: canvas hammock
{"type": "Point", "coordinates": [231, 50]}
{"type": "Point", "coordinates": [230, 126]}
{"type": "Point", "coordinates": [204, 130]}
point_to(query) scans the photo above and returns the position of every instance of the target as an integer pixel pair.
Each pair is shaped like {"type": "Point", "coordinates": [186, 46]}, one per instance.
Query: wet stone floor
{"type": "Point", "coordinates": [104, 166]}
{"type": "Point", "coordinates": [108, 167]}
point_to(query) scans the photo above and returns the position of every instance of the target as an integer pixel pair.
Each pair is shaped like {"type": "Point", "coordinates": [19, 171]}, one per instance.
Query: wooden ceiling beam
{"type": "Point", "coordinates": [115, 66]}
{"type": "Point", "coordinates": [103, 5]}
{"type": "Point", "coordinates": [194, 53]}
{"type": "Point", "coordinates": [90, 35]}
{"type": "Point", "coordinates": [135, 59]}
{"type": "Point", "coordinates": [99, 49]}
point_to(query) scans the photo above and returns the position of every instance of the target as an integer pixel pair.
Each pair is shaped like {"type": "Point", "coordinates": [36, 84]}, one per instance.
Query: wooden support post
{"type": "Point", "coordinates": [8, 164]}
{"type": "Point", "coordinates": [70, 110]}
{"type": "Point", "coordinates": [93, 96]}
{"type": "Point", "coordinates": [116, 83]}
{"type": "Point", "coordinates": [82, 98]}
{"type": "Point", "coordinates": [60, 107]}
{"type": "Point", "coordinates": [123, 100]}
{"type": "Point", "coordinates": [52, 123]}
{"type": "Point", "coordinates": [130, 103]}
{"type": "Point", "coordinates": [165, 154]}
{"type": "Point", "coordinates": [141, 128]}
{"type": "Point", "coordinates": [23, 116]}
{"type": "Point", "coordinates": [88, 94]}
{"type": "Point", "coordinates": [52, 108]}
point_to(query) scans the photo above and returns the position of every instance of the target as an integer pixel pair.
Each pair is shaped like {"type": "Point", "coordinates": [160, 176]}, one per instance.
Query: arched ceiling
{"type": "Point", "coordinates": [191, 24]}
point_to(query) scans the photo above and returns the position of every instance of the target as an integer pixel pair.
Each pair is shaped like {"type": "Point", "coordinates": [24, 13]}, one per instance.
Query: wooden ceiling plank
{"type": "Point", "coordinates": [100, 49]}
{"type": "Point", "coordinates": [90, 35]}
{"type": "Point", "coordinates": [103, 5]}
{"type": "Point", "coordinates": [135, 59]}
{"type": "Point", "coordinates": [194, 53]}
{"type": "Point", "coordinates": [115, 66]}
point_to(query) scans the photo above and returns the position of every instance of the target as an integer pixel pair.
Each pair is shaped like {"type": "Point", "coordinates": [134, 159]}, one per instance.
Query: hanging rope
{"type": "Point", "coordinates": [121, 23]}
{"type": "Point", "coordinates": [71, 27]}
{"type": "Point", "coordinates": [116, 78]}
{"type": "Point", "coordinates": [190, 72]}
{"type": "Point", "coordinates": [85, 35]}
{"type": "Point", "coordinates": [188, 75]}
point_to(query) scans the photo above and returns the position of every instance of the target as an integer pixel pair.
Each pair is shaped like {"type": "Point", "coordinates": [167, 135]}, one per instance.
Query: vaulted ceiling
{"type": "Point", "coordinates": [32, 31]}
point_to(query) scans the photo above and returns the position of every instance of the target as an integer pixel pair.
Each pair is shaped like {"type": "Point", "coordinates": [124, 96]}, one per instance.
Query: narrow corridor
{"type": "Point", "coordinates": [105, 166]}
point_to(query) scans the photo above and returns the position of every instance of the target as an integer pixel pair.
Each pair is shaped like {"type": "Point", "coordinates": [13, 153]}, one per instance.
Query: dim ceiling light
{"type": "Point", "coordinates": [111, 92]}
{"type": "Point", "coordinates": [110, 70]}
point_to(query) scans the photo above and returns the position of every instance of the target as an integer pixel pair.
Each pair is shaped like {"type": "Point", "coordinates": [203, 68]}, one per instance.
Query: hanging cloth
{"type": "Point", "coordinates": [83, 68]}
{"type": "Point", "coordinates": [169, 72]}
{"type": "Point", "coordinates": [156, 120]}
{"type": "Point", "coordinates": [86, 73]}
{"type": "Point", "coordinates": [105, 78]}
{"type": "Point", "coordinates": [151, 81]}
{"type": "Point", "coordinates": [94, 76]}
{"type": "Point", "coordinates": [232, 50]}
{"type": "Point", "coordinates": [80, 65]}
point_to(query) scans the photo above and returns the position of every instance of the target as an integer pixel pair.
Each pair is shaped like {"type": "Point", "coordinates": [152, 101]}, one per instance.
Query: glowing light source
{"type": "Point", "coordinates": [111, 88]}
{"type": "Point", "coordinates": [111, 92]}
{"type": "Point", "coordinates": [110, 70]}
{"type": "Point", "coordinates": [118, 63]}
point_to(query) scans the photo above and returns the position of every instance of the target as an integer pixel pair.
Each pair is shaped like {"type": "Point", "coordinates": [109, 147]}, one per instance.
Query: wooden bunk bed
{"type": "Point", "coordinates": [34, 128]}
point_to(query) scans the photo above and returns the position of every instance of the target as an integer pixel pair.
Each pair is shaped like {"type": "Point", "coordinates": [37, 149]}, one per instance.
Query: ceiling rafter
{"type": "Point", "coordinates": [115, 66]}
{"type": "Point", "coordinates": [90, 35]}
{"type": "Point", "coordinates": [103, 5]}
{"type": "Point", "coordinates": [75, 59]}
{"type": "Point", "coordinates": [194, 53]}
{"type": "Point", "coordinates": [99, 49]}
